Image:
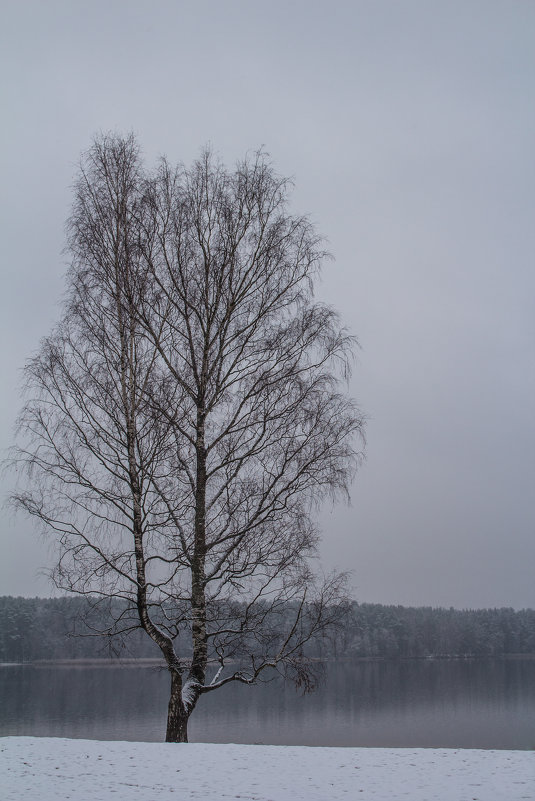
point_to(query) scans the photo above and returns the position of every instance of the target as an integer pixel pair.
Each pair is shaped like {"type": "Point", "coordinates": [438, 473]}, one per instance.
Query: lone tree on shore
{"type": "Point", "coordinates": [187, 413]}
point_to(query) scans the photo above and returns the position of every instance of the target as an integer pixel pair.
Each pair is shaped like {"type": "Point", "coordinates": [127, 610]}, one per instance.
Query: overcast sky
{"type": "Point", "coordinates": [409, 129]}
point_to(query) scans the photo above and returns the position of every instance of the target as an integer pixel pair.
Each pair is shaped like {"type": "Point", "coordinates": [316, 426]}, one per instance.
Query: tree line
{"type": "Point", "coordinates": [375, 630]}
{"type": "Point", "coordinates": [34, 629]}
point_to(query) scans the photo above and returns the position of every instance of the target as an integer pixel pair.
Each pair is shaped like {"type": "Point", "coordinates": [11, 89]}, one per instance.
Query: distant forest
{"type": "Point", "coordinates": [41, 629]}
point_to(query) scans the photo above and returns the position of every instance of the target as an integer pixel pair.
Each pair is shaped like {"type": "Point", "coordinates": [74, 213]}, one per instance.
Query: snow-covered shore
{"type": "Point", "coordinates": [53, 769]}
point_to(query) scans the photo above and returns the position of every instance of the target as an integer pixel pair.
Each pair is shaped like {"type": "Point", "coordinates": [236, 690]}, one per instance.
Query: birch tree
{"type": "Point", "coordinates": [188, 415]}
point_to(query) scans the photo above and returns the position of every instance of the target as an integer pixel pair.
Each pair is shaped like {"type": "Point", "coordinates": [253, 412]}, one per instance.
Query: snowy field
{"type": "Point", "coordinates": [53, 769]}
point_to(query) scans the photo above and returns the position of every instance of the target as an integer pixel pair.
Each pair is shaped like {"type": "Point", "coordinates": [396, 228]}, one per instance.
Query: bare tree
{"type": "Point", "coordinates": [188, 414]}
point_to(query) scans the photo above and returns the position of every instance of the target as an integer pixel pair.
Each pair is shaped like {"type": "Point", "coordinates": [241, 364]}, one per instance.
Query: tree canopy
{"type": "Point", "coordinates": [188, 413]}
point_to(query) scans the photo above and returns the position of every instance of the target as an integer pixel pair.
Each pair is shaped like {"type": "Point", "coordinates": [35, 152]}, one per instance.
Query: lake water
{"type": "Point", "coordinates": [447, 703]}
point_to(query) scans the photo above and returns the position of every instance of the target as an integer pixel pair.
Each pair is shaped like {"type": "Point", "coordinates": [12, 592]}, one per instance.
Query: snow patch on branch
{"type": "Point", "coordinates": [190, 692]}
{"type": "Point", "coordinates": [217, 675]}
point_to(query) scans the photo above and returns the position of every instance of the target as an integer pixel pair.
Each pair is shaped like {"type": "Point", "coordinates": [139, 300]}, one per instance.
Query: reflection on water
{"type": "Point", "coordinates": [453, 703]}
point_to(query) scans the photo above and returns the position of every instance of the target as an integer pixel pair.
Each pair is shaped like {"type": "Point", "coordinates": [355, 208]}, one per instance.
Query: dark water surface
{"type": "Point", "coordinates": [449, 704]}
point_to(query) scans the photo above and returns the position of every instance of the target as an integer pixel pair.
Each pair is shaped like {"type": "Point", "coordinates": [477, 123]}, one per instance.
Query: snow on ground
{"type": "Point", "coordinates": [53, 769]}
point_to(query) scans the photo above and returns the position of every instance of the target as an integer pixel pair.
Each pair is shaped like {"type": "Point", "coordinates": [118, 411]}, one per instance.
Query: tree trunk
{"type": "Point", "coordinates": [177, 717]}
{"type": "Point", "coordinates": [198, 596]}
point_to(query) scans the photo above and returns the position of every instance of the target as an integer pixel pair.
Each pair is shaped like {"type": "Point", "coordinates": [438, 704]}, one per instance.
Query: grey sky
{"type": "Point", "coordinates": [409, 128]}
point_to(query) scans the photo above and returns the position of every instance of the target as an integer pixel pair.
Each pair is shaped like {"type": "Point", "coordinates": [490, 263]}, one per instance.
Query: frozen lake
{"type": "Point", "coordinates": [418, 703]}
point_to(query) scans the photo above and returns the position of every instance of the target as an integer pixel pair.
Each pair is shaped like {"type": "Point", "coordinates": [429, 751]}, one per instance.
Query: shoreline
{"type": "Point", "coordinates": [157, 662]}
